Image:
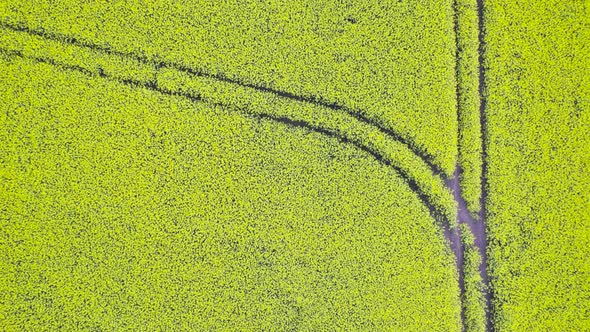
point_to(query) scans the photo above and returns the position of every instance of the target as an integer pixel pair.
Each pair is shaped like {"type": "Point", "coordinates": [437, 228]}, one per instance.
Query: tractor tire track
{"type": "Point", "coordinates": [454, 236]}
{"type": "Point", "coordinates": [484, 267]}
{"type": "Point", "coordinates": [425, 157]}
{"type": "Point", "coordinates": [477, 228]}
{"type": "Point", "coordinates": [199, 72]}
{"type": "Point", "coordinates": [153, 86]}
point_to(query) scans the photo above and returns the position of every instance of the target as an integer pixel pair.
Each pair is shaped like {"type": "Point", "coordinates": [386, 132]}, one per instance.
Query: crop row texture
{"type": "Point", "coordinates": [538, 161]}
{"type": "Point", "coordinates": [470, 141]}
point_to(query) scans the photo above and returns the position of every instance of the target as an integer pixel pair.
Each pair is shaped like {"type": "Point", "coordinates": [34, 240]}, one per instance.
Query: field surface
{"type": "Point", "coordinates": [538, 164]}
{"type": "Point", "coordinates": [294, 166]}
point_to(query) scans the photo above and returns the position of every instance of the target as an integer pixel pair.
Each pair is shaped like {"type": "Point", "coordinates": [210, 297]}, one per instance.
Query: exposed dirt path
{"type": "Point", "coordinates": [478, 230]}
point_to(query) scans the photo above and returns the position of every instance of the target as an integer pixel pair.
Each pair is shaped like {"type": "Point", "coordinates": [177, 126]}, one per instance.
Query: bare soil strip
{"type": "Point", "coordinates": [478, 230]}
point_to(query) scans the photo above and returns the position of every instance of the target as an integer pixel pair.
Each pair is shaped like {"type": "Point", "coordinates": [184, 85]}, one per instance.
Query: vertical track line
{"type": "Point", "coordinates": [454, 235]}
{"type": "Point", "coordinates": [484, 143]}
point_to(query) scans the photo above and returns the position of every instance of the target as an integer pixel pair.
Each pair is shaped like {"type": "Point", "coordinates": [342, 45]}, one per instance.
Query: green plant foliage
{"type": "Point", "coordinates": [241, 98]}
{"type": "Point", "coordinates": [392, 61]}
{"type": "Point", "coordinates": [127, 209]}
{"type": "Point", "coordinates": [470, 149]}
{"type": "Point", "coordinates": [474, 303]}
{"type": "Point", "coordinates": [538, 160]}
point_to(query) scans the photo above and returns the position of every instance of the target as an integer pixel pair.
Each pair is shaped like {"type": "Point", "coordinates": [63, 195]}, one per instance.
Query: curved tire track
{"type": "Point", "coordinates": [380, 141]}
{"type": "Point", "coordinates": [153, 86]}
{"type": "Point", "coordinates": [199, 72]}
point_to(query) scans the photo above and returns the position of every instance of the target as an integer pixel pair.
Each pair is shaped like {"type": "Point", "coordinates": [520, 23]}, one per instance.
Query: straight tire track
{"type": "Point", "coordinates": [454, 236]}
{"type": "Point", "coordinates": [483, 121]}
{"type": "Point", "coordinates": [477, 228]}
